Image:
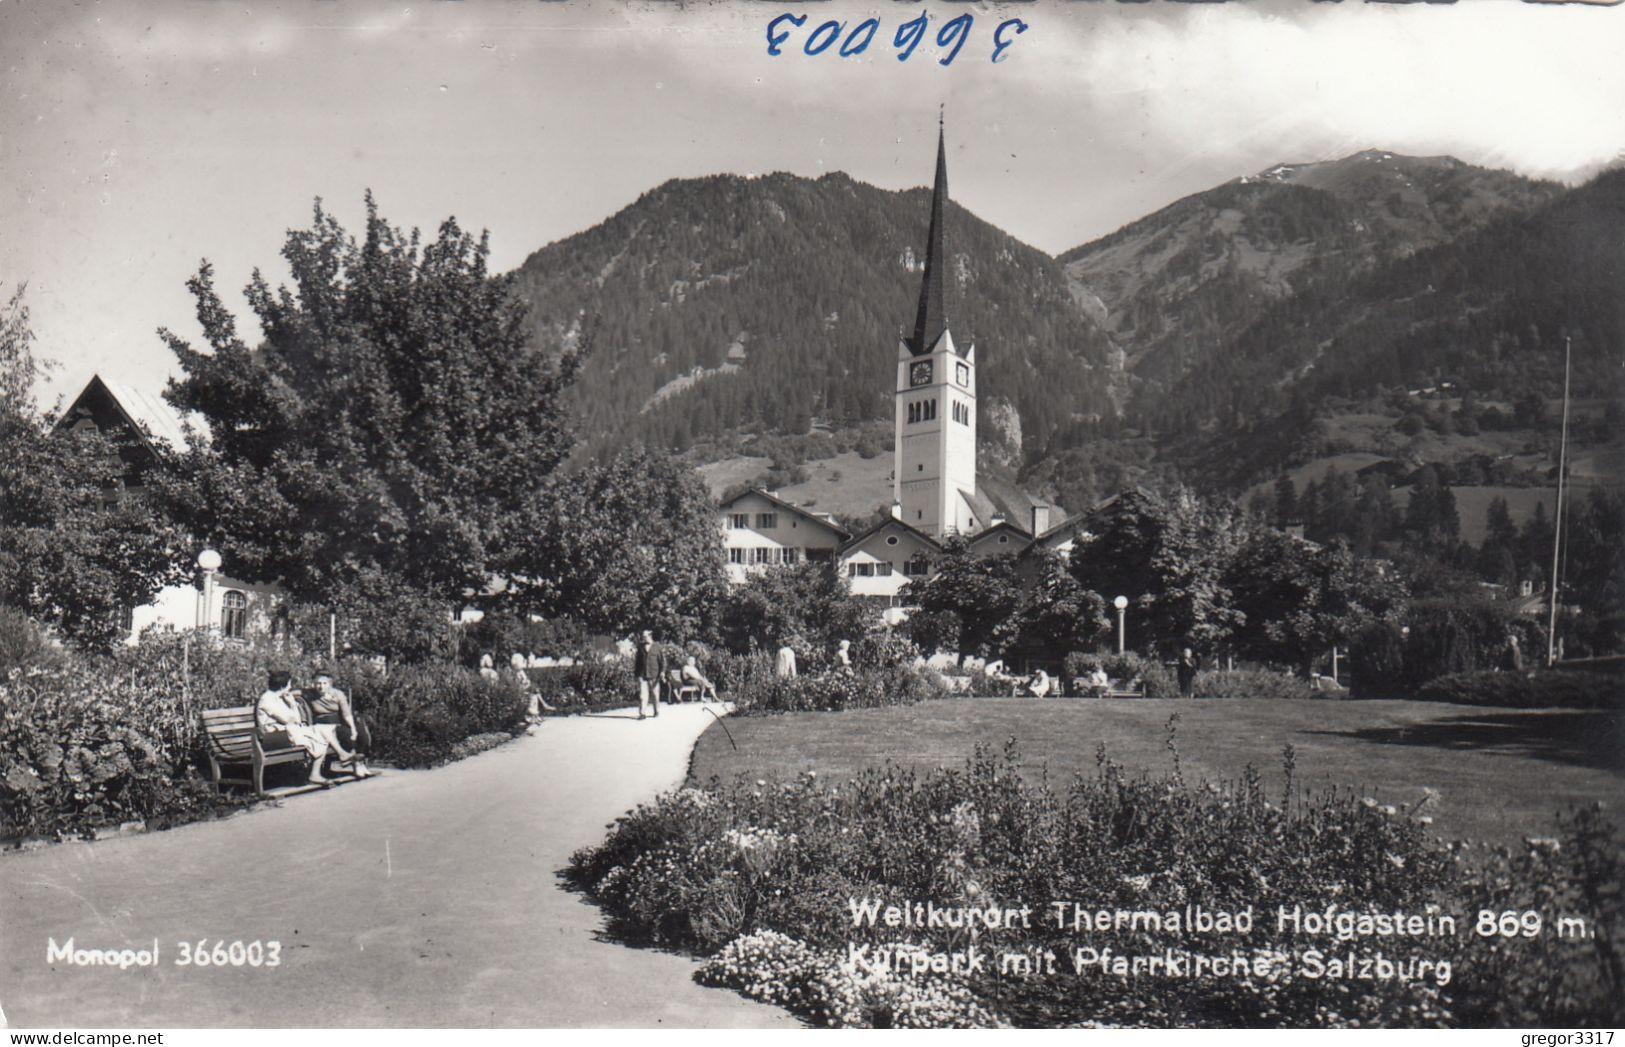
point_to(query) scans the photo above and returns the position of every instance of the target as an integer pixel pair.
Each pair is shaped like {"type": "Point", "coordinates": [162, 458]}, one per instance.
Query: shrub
{"type": "Point", "coordinates": [772, 880]}
{"type": "Point", "coordinates": [187, 672]}
{"type": "Point", "coordinates": [1450, 636]}
{"type": "Point", "coordinates": [1542, 690]}
{"type": "Point", "coordinates": [882, 649]}
{"type": "Point", "coordinates": [835, 690]}
{"type": "Point", "coordinates": [418, 713]}
{"type": "Point", "coordinates": [81, 749]}
{"type": "Point", "coordinates": [1445, 636]}
{"type": "Point", "coordinates": [1251, 683]}
{"type": "Point", "coordinates": [1377, 661]}
{"type": "Point", "coordinates": [1128, 667]}
{"type": "Point", "coordinates": [586, 686]}
{"type": "Point", "coordinates": [23, 644]}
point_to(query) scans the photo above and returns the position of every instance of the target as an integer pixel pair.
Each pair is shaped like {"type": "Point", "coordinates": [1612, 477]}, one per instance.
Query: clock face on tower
{"type": "Point", "coordinates": [920, 373]}
{"type": "Point", "coordinates": [962, 373]}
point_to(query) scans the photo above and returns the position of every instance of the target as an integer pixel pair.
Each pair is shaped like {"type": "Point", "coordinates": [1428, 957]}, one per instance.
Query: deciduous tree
{"type": "Point", "coordinates": [628, 544]}
{"type": "Point", "coordinates": [73, 553]}
{"type": "Point", "coordinates": [395, 421]}
{"type": "Point", "coordinates": [983, 592]}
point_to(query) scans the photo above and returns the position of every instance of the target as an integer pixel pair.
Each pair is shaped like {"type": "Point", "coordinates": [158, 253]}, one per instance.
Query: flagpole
{"type": "Point", "coordinates": [1557, 515]}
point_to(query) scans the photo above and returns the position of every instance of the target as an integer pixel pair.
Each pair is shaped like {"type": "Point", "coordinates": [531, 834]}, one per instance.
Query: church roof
{"type": "Point", "coordinates": [931, 319]}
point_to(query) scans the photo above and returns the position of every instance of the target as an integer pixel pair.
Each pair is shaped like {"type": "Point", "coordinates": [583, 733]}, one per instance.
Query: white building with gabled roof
{"type": "Point", "coordinates": [761, 530]}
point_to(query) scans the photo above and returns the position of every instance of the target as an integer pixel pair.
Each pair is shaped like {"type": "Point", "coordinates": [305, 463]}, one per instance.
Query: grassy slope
{"type": "Point", "coordinates": [863, 484]}
{"type": "Point", "coordinates": [1498, 774]}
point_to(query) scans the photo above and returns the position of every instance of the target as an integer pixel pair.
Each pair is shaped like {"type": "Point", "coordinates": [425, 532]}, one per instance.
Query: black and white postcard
{"type": "Point", "coordinates": [535, 514]}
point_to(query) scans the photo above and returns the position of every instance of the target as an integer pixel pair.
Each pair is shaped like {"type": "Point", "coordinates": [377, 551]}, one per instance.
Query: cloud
{"type": "Point", "coordinates": [1529, 86]}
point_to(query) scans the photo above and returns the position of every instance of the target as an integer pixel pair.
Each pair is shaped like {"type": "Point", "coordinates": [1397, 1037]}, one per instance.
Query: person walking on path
{"type": "Point", "coordinates": [649, 666]}
{"type": "Point", "coordinates": [1186, 671]}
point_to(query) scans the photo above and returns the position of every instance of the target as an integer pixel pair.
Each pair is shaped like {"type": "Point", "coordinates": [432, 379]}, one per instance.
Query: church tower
{"type": "Point", "coordinates": [934, 480]}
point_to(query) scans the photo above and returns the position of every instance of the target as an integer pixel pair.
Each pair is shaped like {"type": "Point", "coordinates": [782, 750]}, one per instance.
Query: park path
{"type": "Point", "coordinates": [420, 898]}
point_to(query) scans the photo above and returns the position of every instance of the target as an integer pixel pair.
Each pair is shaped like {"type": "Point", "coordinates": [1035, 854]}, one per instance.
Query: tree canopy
{"type": "Point", "coordinates": [73, 553]}
{"type": "Point", "coordinates": [1298, 598]}
{"type": "Point", "coordinates": [982, 595]}
{"type": "Point", "coordinates": [808, 606]}
{"type": "Point", "coordinates": [395, 422]}
{"type": "Point", "coordinates": [621, 545]}
{"type": "Point", "coordinates": [1167, 556]}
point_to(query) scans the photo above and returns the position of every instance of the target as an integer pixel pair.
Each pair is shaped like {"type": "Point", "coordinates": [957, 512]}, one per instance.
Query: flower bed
{"type": "Point", "coordinates": [770, 880]}
{"type": "Point", "coordinates": [586, 686]}
{"type": "Point", "coordinates": [761, 694]}
{"type": "Point", "coordinates": [87, 743]}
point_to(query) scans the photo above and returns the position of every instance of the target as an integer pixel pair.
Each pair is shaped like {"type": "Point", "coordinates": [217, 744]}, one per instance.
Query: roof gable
{"type": "Point", "coordinates": [148, 418]}
{"type": "Point", "coordinates": [788, 507]}
{"type": "Point", "coordinates": [1016, 536]}
{"type": "Point", "coordinates": [902, 527]}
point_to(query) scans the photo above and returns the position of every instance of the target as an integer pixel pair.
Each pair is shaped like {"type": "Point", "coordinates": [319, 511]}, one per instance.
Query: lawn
{"type": "Point", "coordinates": [1492, 774]}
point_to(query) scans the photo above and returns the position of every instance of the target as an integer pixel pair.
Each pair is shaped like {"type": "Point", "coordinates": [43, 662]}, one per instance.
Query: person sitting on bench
{"type": "Point", "coordinates": [331, 706]}
{"type": "Point", "coordinates": [281, 723]}
{"type": "Point", "coordinates": [1099, 682]}
{"type": "Point", "coordinates": [692, 677]}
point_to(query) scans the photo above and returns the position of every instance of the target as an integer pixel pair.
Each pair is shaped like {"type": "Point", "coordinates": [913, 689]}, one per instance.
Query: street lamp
{"type": "Point", "coordinates": [209, 561]}
{"type": "Point", "coordinates": [1121, 603]}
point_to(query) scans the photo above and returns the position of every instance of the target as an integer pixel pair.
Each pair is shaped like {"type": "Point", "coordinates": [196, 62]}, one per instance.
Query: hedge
{"type": "Point", "coordinates": [1541, 690]}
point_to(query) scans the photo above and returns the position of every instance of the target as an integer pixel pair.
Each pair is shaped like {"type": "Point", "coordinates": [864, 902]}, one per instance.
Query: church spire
{"type": "Point", "coordinates": [930, 321]}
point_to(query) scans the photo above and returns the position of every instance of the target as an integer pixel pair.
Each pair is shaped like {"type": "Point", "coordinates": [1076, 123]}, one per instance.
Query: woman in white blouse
{"type": "Point", "coordinates": [281, 724]}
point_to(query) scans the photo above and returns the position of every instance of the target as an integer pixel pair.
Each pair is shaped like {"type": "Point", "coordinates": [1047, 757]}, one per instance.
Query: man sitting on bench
{"type": "Point", "coordinates": [281, 723]}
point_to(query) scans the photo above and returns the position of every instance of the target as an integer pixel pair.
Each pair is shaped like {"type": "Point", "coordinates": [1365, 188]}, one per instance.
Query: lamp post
{"type": "Point", "coordinates": [1121, 603]}
{"type": "Point", "coordinates": [209, 561]}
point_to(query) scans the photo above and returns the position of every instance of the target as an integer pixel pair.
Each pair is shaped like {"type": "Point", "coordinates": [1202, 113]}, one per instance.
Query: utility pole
{"type": "Point", "coordinates": [1557, 515]}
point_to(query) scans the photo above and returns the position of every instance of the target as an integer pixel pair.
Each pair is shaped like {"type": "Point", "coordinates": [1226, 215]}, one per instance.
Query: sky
{"type": "Point", "coordinates": [138, 138]}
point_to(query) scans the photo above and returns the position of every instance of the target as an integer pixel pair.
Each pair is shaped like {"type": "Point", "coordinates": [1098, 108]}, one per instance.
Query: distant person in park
{"type": "Point", "coordinates": [693, 677]}
{"type": "Point", "coordinates": [1512, 657]}
{"type": "Point", "coordinates": [330, 706]}
{"type": "Point", "coordinates": [488, 668]}
{"type": "Point", "coordinates": [1185, 669]}
{"type": "Point", "coordinates": [1099, 682]}
{"type": "Point", "coordinates": [517, 664]}
{"type": "Point", "coordinates": [843, 656]}
{"type": "Point", "coordinates": [648, 665]}
{"type": "Point", "coordinates": [1038, 685]}
{"type": "Point", "coordinates": [784, 666]}
{"type": "Point", "coordinates": [280, 721]}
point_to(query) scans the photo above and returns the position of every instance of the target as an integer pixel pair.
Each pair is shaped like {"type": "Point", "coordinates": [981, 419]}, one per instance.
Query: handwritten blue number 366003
{"type": "Point", "coordinates": [951, 36]}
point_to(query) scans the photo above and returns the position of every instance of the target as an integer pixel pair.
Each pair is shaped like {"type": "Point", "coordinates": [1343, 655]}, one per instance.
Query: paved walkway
{"type": "Point", "coordinates": [420, 898]}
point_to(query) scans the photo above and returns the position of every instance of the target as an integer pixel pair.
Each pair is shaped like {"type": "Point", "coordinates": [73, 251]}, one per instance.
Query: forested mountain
{"type": "Point", "coordinates": [1205, 341]}
{"type": "Point", "coordinates": [1177, 286]}
{"type": "Point", "coordinates": [1486, 311]}
{"type": "Point", "coordinates": [763, 303]}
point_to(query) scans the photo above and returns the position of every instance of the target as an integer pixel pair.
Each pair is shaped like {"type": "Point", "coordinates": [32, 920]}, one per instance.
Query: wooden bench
{"type": "Point", "coordinates": [234, 740]}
